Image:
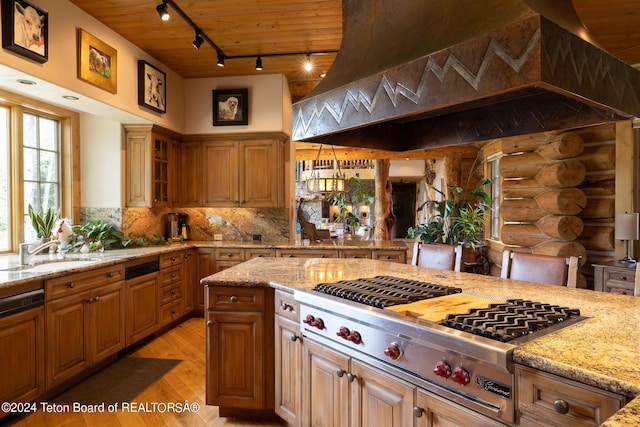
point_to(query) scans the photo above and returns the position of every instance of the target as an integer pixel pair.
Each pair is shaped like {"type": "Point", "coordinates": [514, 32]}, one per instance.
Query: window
{"type": "Point", "coordinates": [495, 197]}
{"type": "Point", "coordinates": [38, 165]}
{"type": "Point", "coordinates": [5, 196]}
{"type": "Point", "coordinates": [41, 166]}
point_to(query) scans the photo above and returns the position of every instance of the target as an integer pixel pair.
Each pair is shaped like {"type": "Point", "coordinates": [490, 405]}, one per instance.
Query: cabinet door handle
{"type": "Point", "coordinates": [417, 411]}
{"type": "Point", "coordinates": [340, 372]}
{"type": "Point", "coordinates": [233, 298]}
{"type": "Point", "coordinates": [209, 323]}
{"type": "Point", "coordinates": [350, 377]}
{"type": "Point", "coordinates": [173, 259]}
{"type": "Point", "coordinates": [294, 337]}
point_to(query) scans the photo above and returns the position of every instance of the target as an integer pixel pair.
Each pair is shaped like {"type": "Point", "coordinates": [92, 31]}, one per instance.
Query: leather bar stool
{"type": "Point", "coordinates": [441, 257]}
{"type": "Point", "coordinates": [545, 269]}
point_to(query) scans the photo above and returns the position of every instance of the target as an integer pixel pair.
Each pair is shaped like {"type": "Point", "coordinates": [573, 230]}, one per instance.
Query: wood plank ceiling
{"type": "Point", "coordinates": [254, 27]}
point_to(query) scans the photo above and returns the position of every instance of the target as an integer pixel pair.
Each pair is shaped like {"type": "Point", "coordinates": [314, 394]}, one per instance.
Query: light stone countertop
{"type": "Point", "coordinates": [603, 351]}
{"type": "Point", "coordinates": [22, 280]}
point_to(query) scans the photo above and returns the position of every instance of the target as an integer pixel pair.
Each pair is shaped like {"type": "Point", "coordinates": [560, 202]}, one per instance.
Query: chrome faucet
{"type": "Point", "coordinates": [26, 254]}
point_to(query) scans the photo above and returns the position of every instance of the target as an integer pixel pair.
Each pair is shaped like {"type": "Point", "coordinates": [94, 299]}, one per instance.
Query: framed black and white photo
{"type": "Point", "coordinates": [152, 87]}
{"type": "Point", "coordinates": [230, 107]}
{"type": "Point", "coordinates": [25, 29]}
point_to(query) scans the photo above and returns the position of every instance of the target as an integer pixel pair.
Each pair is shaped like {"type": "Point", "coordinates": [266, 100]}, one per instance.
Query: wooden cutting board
{"type": "Point", "coordinates": [436, 309]}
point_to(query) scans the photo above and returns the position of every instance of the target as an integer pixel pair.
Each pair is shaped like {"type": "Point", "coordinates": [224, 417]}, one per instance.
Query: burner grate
{"type": "Point", "coordinates": [384, 291]}
{"type": "Point", "coordinates": [508, 321]}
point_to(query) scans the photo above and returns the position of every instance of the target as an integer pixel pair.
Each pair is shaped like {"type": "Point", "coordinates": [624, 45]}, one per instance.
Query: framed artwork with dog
{"type": "Point", "coordinates": [97, 62]}
{"type": "Point", "coordinates": [152, 87]}
{"type": "Point", "coordinates": [230, 107]}
{"type": "Point", "coordinates": [25, 29]}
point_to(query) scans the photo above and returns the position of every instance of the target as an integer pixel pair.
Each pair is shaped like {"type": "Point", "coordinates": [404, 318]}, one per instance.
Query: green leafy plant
{"type": "Point", "coordinates": [42, 222]}
{"type": "Point", "coordinates": [96, 235]}
{"type": "Point", "coordinates": [460, 218]}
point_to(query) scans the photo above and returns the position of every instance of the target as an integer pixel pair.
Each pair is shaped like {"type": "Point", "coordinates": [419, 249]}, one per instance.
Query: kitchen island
{"type": "Point", "coordinates": [601, 351]}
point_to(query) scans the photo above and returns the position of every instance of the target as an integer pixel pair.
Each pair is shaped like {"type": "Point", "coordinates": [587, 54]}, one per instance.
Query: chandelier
{"type": "Point", "coordinates": [334, 184]}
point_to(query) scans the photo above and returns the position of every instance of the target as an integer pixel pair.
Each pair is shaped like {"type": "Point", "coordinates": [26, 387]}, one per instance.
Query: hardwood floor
{"type": "Point", "coordinates": [169, 369]}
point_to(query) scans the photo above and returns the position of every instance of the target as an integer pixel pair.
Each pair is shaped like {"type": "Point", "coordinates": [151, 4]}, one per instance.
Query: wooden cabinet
{"type": "Point", "coordinates": [392, 256]}
{"type": "Point", "coordinates": [239, 339]}
{"type": "Point", "coordinates": [356, 253]}
{"type": "Point", "coordinates": [23, 356]}
{"type": "Point", "coordinates": [548, 400]}
{"type": "Point", "coordinates": [85, 321]}
{"type": "Point", "coordinates": [151, 166]}
{"type": "Point", "coordinates": [188, 280]}
{"type": "Point", "coordinates": [340, 391]}
{"type": "Point", "coordinates": [233, 171]}
{"type": "Point", "coordinates": [142, 307]}
{"type": "Point", "coordinates": [205, 266]}
{"type": "Point", "coordinates": [288, 359]}
{"type": "Point", "coordinates": [307, 253]}
{"type": "Point", "coordinates": [434, 411]}
{"type": "Point", "coordinates": [614, 277]}
{"type": "Point", "coordinates": [170, 296]}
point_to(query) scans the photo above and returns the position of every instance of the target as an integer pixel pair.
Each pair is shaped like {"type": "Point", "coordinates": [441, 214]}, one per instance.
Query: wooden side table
{"type": "Point", "coordinates": [614, 277]}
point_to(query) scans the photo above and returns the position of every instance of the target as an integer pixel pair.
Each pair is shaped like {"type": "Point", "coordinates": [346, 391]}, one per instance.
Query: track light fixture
{"type": "Point", "coordinates": [163, 10]}
{"type": "Point", "coordinates": [307, 64]}
{"type": "Point", "coordinates": [198, 41]}
{"type": "Point", "coordinates": [201, 37]}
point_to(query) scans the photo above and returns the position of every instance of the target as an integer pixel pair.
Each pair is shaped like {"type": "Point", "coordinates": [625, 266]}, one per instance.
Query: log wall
{"type": "Point", "coordinates": [559, 195]}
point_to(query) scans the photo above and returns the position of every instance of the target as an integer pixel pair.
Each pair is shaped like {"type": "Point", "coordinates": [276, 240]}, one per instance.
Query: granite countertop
{"type": "Point", "coordinates": [602, 351]}
{"type": "Point", "coordinates": [14, 280]}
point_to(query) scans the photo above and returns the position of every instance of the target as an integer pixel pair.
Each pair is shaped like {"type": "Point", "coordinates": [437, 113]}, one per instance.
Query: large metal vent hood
{"type": "Point", "coordinates": [422, 73]}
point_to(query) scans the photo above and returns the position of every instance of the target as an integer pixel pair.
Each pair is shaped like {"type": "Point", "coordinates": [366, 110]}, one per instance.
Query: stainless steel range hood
{"type": "Point", "coordinates": [425, 73]}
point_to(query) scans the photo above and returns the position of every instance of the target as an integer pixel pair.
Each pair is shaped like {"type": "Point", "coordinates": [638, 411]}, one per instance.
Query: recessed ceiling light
{"type": "Point", "coordinates": [322, 75]}
{"type": "Point", "coordinates": [26, 82]}
{"type": "Point", "coordinates": [70, 97]}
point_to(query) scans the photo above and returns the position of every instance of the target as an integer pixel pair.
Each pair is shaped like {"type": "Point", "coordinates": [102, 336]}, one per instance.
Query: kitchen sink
{"type": "Point", "coordinates": [50, 267]}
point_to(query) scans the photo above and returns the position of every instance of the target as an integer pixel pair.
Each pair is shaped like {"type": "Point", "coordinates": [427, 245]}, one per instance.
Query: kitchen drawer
{"type": "Point", "coordinates": [170, 260]}
{"type": "Point", "coordinates": [539, 392]}
{"type": "Point", "coordinates": [393, 256]}
{"type": "Point", "coordinates": [626, 275]}
{"type": "Point", "coordinates": [307, 253]}
{"type": "Point", "coordinates": [619, 288]}
{"type": "Point", "coordinates": [226, 298]}
{"type": "Point", "coordinates": [258, 253]}
{"type": "Point", "coordinates": [286, 306]}
{"type": "Point", "coordinates": [169, 312]}
{"type": "Point", "coordinates": [354, 253]}
{"type": "Point", "coordinates": [78, 282]}
{"type": "Point", "coordinates": [170, 293]}
{"type": "Point", "coordinates": [229, 254]}
{"type": "Point", "coordinates": [171, 275]}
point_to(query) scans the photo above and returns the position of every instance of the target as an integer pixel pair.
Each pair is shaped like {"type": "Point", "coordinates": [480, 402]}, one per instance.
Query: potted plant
{"type": "Point", "coordinates": [468, 226]}
{"type": "Point", "coordinates": [43, 222]}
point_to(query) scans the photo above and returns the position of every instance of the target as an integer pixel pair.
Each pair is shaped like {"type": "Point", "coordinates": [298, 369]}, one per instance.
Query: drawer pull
{"type": "Point", "coordinates": [173, 259]}
{"type": "Point", "coordinates": [173, 276]}
{"type": "Point", "coordinates": [233, 298]}
{"type": "Point", "coordinates": [285, 306]}
{"type": "Point", "coordinates": [71, 285]}
{"type": "Point", "coordinates": [561, 406]}
{"type": "Point", "coordinates": [110, 275]}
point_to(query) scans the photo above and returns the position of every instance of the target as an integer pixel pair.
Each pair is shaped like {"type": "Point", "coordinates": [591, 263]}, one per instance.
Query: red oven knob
{"type": "Point", "coordinates": [343, 332]}
{"type": "Point", "coordinates": [393, 351]}
{"type": "Point", "coordinates": [442, 369]}
{"type": "Point", "coordinates": [355, 337]}
{"type": "Point", "coordinates": [460, 376]}
{"type": "Point", "coordinates": [316, 322]}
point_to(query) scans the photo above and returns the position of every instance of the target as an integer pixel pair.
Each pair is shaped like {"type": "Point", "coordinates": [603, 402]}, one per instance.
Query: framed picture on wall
{"type": "Point", "coordinates": [230, 107]}
{"type": "Point", "coordinates": [25, 29]}
{"type": "Point", "coordinates": [97, 62]}
{"type": "Point", "coordinates": [152, 87]}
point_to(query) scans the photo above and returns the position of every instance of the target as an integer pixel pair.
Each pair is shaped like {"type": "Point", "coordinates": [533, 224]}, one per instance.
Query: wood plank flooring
{"type": "Point", "coordinates": [182, 352]}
